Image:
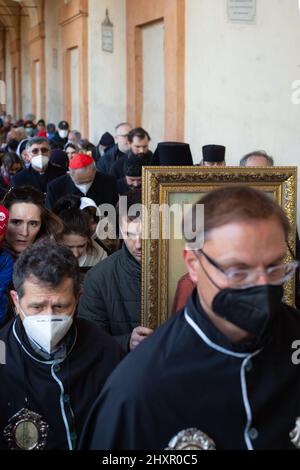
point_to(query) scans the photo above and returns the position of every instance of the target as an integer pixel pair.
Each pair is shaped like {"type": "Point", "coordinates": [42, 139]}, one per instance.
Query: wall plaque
{"type": "Point", "coordinates": [241, 10]}
{"type": "Point", "coordinates": [107, 34]}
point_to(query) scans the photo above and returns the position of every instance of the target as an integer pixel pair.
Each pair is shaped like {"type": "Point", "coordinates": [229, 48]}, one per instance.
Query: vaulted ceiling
{"type": "Point", "coordinates": [12, 11]}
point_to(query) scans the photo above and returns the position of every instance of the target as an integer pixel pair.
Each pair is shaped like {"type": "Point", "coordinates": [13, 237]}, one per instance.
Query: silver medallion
{"type": "Point", "coordinates": [191, 439]}
{"type": "Point", "coordinates": [295, 434]}
{"type": "Point", "coordinates": [26, 431]}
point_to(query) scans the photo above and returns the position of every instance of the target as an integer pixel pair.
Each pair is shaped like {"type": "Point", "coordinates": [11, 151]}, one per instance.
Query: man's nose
{"type": "Point", "coordinates": [262, 278]}
{"type": "Point", "coordinates": [138, 243]}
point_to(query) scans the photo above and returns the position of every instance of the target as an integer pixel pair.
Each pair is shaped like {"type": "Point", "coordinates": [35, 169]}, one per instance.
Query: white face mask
{"type": "Point", "coordinates": [40, 161]}
{"type": "Point", "coordinates": [83, 187]}
{"type": "Point", "coordinates": [62, 133]}
{"type": "Point", "coordinates": [47, 330]}
{"type": "Point", "coordinates": [29, 131]}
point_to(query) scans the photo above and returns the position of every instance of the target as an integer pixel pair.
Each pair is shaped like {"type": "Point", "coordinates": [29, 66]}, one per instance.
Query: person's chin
{"type": "Point", "coordinates": [20, 246]}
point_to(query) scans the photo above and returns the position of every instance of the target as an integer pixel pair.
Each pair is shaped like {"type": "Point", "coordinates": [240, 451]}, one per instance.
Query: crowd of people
{"type": "Point", "coordinates": [70, 303]}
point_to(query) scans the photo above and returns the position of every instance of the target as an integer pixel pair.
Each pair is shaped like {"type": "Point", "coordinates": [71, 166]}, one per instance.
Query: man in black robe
{"type": "Point", "coordinates": [53, 364]}
{"type": "Point", "coordinates": [83, 180]}
{"type": "Point", "coordinates": [41, 171]}
{"type": "Point", "coordinates": [222, 373]}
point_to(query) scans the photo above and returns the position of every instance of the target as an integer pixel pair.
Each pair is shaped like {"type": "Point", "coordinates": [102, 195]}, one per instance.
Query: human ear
{"type": "Point", "coordinates": [192, 264]}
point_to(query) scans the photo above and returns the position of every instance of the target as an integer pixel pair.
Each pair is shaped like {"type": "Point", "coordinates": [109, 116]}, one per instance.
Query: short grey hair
{"type": "Point", "coordinates": [122, 124]}
{"type": "Point", "coordinates": [257, 153]}
{"type": "Point", "coordinates": [36, 140]}
{"type": "Point", "coordinates": [76, 133]}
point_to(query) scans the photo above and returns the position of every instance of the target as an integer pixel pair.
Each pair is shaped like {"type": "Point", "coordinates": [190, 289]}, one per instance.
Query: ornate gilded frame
{"type": "Point", "coordinates": [160, 182]}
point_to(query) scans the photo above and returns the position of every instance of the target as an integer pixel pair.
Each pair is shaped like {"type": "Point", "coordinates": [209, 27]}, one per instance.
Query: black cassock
{"type": "Point", "coordinates": [188, 375]}
{"type": "Point", "coordinates": [56, 390]}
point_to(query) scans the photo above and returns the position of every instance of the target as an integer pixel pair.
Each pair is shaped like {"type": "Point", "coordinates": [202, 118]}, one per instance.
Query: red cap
{"type": "Point", "coordinates": [42, 134]}
{"type": "Point", "coordinates": [80, 160]}
{"type": "Point", "coordinates": [4, 216]}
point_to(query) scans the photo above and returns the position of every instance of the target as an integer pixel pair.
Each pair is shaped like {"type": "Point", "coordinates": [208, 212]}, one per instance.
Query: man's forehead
{"type": "Point", "coordinates": [42, 144]}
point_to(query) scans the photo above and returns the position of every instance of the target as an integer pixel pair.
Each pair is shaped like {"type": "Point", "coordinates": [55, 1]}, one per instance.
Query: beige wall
{"type": "Point", "coordinates": [153, 107]}
{"type": "Point", "coordinates": [107, 71]}
{"type": "Point", "coordinates": [239, 79]}
{"type": "Point", "coordinates": [8, 77]}
{"type": "Point", "coordinates": [25, 68]}
{"type": "Point", "coordinates": [54, 92]}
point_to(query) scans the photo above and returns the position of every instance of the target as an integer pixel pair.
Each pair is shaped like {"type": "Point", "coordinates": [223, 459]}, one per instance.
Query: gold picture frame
{"type": "Point", "coordinates": [160, 186]}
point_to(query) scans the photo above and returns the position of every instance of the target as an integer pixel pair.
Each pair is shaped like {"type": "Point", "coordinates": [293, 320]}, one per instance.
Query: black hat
{"type": "Point", "coordinates": [213, 153]}
{"type": "Point", "coordinates": [172, 154]}
{"type": "Point", "coordinates": [106, 139]}
{"type": "Point", "coordinates": [51, 127]}
{"type": "Point", "coordinates": [63, 125]}
{"type": "Point", "coordinates": [133, 166]}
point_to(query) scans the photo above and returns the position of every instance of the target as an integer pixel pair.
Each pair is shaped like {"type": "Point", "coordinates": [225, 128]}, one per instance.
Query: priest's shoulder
{"type": "Point", "coordinates": [6, 329]}
{"type": "Point", "coordinates": [291, 319]}
{"type": "Point", "coordinates": [153, 355]}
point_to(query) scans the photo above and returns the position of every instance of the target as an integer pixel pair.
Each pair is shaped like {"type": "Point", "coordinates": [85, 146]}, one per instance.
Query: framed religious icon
{"type": "Point", "coordinates": [167, 193]}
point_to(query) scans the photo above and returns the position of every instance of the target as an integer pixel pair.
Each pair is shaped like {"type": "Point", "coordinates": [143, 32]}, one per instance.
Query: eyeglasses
{"type": "Point", "coordinates": [122, 135]}
{"type": "Point", "coordinates": [243, 278]}
{"type": "Point", "coordinates": [42, 150]}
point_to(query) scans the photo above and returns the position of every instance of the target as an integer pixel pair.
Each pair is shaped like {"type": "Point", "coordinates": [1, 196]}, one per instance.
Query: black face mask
{"type": "Point", "coordinates": [251, 309]}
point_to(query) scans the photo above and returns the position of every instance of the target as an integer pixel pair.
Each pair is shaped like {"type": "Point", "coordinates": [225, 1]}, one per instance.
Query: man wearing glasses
{"type": "Point", "coordinates": [41, 171]}
{"type": "Point", "coordinates": [115, 152]}
{"type": "Point", "coordinates": [220, 373]}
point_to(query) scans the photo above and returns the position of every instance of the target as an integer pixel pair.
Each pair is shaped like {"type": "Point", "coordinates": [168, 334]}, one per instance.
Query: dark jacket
{"type": "Point", "coordinates": [111, 155]}
{"type": "Point", "coordinates": [58, 142]}
{"type": "Point", "coordinates": [31, 177]}
{"type": "Point", "coordinates": [112, 295]}
{"type": "Point", "coordinates": [90, 356]}
{"type": "Point", "coordinates": [123, 187]}
{"type": "Point", "coordinates": [6, 271]}
{"type": "Point", "coordinates": [117, 169]}
{"type": "Point", "coordinates": [96, 153]}
{"type": "Point", "coordinates": [3, 191]}
{"type": "Point", "coordinates": [187, 374]}
{"type": "Point", "coordinates": [103, 190]}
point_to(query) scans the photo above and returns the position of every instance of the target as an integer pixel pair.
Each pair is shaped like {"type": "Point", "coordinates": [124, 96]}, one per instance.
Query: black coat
{"type": "Point", "coordinates": [117, 169]}
{"type": "Point", "coordinates": [31, 177]}
{"type": "Point", "coordinates": [91, 356]}
{"type": "Point", "coordinates": [123, 187]}
{"type": "Point", "coordinates": [179, 378]}
{"type": "Point", "coordinates": [103, 190]}
{"type": "Point", "coordinates": [111, 155]}
{"type": "Point", "coordinates": [112, 295]}
{"type": "Point", "coordinates": [3, 191]}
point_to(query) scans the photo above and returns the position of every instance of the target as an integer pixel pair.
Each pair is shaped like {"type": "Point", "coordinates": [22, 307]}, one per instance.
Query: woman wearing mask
{"type": "Point", "coordinates": [29, 220]}
{"type": "Point", "coordinates": [29, 128]}
{"type": "Point", "coordinates": [10, 166]}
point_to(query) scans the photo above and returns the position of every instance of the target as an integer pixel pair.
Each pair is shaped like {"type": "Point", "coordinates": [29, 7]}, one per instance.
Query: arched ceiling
{"type": "Point", "coordinates": [12, 11]}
